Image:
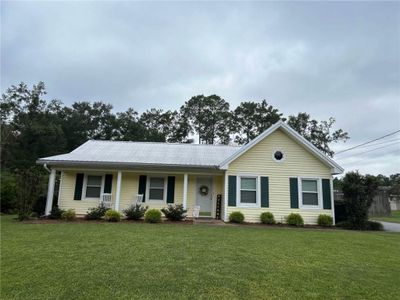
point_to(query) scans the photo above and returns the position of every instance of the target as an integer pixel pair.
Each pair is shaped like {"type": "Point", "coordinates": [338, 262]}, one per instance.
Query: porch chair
{"type": "Point", "coordinates": [107, 201]}
{"type": "Point", "coordinates": [138, 199]}
{"type": "Point", "coordinates": [196, 211]}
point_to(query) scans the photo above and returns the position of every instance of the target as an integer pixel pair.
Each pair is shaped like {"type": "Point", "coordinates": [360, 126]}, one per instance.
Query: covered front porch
{"type": "Point", "coordinates": [118, 189]}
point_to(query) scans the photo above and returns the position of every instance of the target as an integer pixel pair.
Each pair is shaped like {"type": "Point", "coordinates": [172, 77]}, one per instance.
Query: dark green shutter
{"type": "Point", "coordinates": [326, 193]}
{"type": "Point", "coordinates": [264, 192]}
{"type": "Point", "coordinates": [231, 190]}
{"type": "Point", "coordinates": [142, 186]}
{"type": "Point", "coordinates": [78, 186]}
{"type": "Point", "coordinates": [171, 189]}
{"type": "Point", "coordinates": [108, 184]}
{"type": "Point", "coordinates": [294, 193]}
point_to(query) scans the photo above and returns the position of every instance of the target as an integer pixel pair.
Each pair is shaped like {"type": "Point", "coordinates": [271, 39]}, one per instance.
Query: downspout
{"type": "Point", "coordinates": [47, 169]}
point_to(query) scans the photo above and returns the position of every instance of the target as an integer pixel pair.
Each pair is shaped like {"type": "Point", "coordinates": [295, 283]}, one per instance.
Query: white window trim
{"type": "Point", "coordinates": [148, 189]}
{"type": "Point", "coordinates": [319, 190]}
{"type": "Point", "coordinates": [85, 186]}
{"type": "Point", "coordinates": [238, 189]}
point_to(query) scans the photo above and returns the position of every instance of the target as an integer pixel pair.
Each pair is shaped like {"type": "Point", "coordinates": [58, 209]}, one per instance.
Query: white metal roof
{"type": "Point", "coordinates": [145, 153]}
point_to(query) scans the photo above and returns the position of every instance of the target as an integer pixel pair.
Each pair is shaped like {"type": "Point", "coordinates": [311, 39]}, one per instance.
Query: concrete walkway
{"type": "Point", "coordinates": [392, 227]}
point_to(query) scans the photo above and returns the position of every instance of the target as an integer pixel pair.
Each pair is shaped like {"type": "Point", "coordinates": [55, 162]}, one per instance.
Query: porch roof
{"type": "Point", "coordinates": [120, 153]}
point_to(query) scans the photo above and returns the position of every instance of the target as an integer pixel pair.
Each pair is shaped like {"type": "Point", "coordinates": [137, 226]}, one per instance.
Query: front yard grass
{"type": "Point", "coordinates": [87, 260]}
{"type": "Point", "coordinates": [393, 218]}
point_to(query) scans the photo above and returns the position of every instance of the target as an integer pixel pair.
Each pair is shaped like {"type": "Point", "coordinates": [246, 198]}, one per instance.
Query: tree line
{"type": "Point", "coordinates": [33, 127]}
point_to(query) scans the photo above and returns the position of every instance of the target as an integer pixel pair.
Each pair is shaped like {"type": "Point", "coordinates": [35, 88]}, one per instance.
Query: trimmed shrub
{"type": "Point", "coordinates": [375, 226]}
{"type": "Point", "coordinates": [56, 213]}
{"type": "Point", "coordinates": [69, 215]}
{"type": "Point", "coordinates": [96, 213]}
{"type": "Point", "coordinates": [325, 221]}
{"type": "Point", "coordinates": [295, 220]}
{"type": "Point", "coordinates": [112, 216]}
{"type": "Point", "coordinates": [152, 216]}
{"type": "Point", "coordinates": [135, 212]}
{"type": "Point", "coordinates": [267, 218]}
{"type": "Point", "coordinates": [174, 212]}
{"type": "Point", "coordinates": [236, 217]}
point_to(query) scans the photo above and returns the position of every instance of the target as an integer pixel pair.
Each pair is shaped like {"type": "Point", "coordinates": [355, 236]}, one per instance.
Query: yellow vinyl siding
{"type": "Point", "coordinates": [66, 195]}
{"type": "Point", "coordinates": [298, 162]}
{"type": "Point", "coordinates": [129, 191]}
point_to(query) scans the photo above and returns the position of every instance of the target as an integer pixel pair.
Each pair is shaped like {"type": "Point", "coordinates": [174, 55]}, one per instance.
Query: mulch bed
{"type": "Point", "coordinates": [185, 222]}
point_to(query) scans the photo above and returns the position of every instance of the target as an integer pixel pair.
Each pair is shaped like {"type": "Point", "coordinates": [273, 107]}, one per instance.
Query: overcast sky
{"type": "Point", "coordinates": [327, 59]}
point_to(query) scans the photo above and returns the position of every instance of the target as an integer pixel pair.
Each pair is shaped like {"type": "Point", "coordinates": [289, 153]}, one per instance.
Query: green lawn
{"type": "Point", "coordinates": [155, 261]}
{"type": "Point", "coordinates": [394, 217]}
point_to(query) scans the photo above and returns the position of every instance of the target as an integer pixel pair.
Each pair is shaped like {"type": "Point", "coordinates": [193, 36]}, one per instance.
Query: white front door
{"type": "Point", "coordinates": [204, 196]}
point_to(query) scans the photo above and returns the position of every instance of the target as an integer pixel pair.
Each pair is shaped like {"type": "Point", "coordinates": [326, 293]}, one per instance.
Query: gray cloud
{"type": "Point", "coordinates": [329, 59]}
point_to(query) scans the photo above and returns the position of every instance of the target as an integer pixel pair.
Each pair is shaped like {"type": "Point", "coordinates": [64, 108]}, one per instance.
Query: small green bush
{"type": "Point", "coordinates": [295, 220]}
{"type": "Point", "coordinates": [152, 216]}
{"type": "Point", "coordinates": [135, 212]}
{"type": "Point", "coordinates": [96, 213]}
{"type": "Point", "coordinates": [69, 215]}
{"type": "Point", "coordinates": [174, 212]}
{"type": "Point", "coordinates": [267, 218]}
{"type": "Point", "coordinates": [112, 216]}
{"type": "Point", "coordinates": [375, 226]}
{"type": "Point", "coordinates": [236, 217]}
{"type": "Point", "coordinates": [56, 213]}
{"type": "Point", "coordinates": [325, 221]}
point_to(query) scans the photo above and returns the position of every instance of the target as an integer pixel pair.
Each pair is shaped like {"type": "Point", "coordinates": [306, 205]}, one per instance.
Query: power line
{"type": "Point", "coordinates": [382, 147]}
{"type": "Point", "coordinates": [369, 142]}
{"type": "Point", "coordinates": [363, 159]}
{"type": "Point", "coordinates": [380, 143]}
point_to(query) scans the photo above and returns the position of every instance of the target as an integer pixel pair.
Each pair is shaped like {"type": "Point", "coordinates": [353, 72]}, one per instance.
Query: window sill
{"type": "Point", "coordinates": [248, 205]}
{"type": "Point", "coordinates": [310, 207]}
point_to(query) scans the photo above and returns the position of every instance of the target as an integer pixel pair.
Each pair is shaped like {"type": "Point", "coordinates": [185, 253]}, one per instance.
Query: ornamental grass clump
{"type": "Point", "coordinates": [152, 216]}
{"type": "Point", "coordinates": [112, 216]}
{"type": "Point", "coordinates": [69, 215]}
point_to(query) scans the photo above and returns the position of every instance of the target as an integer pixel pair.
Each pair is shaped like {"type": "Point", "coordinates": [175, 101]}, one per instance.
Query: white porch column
{"type": "Point", "coordinates": [185, 187]}
{"type": "Point", "coordinates": [225, 196]}
{"type": "Point", "coordinates": [50, 192]}
{"type": "Point", "coordinates": [118, 193]}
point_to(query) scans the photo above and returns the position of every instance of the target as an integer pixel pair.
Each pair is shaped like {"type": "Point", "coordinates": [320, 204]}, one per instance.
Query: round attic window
{"type": "Point", "coordinates": [278, 155]}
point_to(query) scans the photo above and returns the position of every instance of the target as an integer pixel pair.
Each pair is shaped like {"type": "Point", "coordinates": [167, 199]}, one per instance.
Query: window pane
{"type": "Point", "coordinates": [157, 182]}
{"type": "Point", "coordinates": [310, 199]}
{"type": "Point", "coordinates": [94, 180]}
{"type": "Point", "coordinates": [248, 183]}
{"type": "Point", "coordinates": [309, 185]}
{"type": "Point", "coordinates": [93, 192]}
{"type": "Point", "coordinates": [248, 196]}
{"type": "Point", "coordinates": [156, 194]}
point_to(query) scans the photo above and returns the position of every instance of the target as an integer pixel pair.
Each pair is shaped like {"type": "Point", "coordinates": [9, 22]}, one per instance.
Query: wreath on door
{"type": "Point", "coordinates": [203, 190]}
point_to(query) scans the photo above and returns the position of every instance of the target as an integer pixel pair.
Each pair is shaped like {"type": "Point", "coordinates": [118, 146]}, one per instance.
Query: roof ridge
{"type": "Point", "coordinates": [164, 143]}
